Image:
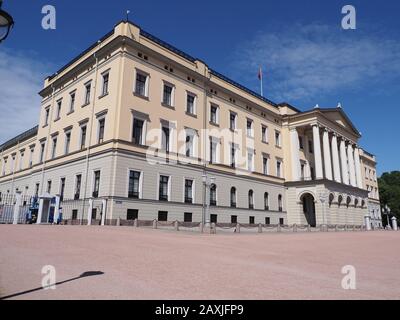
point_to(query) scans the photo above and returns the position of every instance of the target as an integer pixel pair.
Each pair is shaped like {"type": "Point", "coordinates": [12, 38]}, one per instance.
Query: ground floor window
{"type": "Point", "coordinates": [281, 221]}
{"type": "Point", "coordinates": [188, 217]}
{"type": "Point", "coordinates": [267, 220]}
{"type": "Point", "coordinates": [132, 214]}
{"type": "Point", "coordinates": [213, 218]}
{"type": "Point", "coordinates": [94, 213]}
{"type": "Point", "coordinates": [162, 215]}
{"type": "Point", "coordinates": [251, 220]}
{"type": "Point", "coordinates": [74, 214]}
{"type": "Point", "coordinates": [233, 219]}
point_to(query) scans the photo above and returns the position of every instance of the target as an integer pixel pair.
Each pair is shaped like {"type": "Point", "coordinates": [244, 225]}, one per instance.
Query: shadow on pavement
{"type": "Point", "coordinates": [83, 275]}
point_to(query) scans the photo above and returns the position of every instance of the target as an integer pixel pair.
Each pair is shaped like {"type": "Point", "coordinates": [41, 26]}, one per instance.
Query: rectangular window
{"type": "Point", "coordinates": [21, 161]}
{"type": "Point", "coordinates": [165, 138]}
{"type": "Point", "coordinates": [267, 220]}
{"type": "Point", "coordinates": [46, 116]}
{"type": "Point", "coordinates": [233, 219]}
{"type": "Point", "coordinates": [132, 214]}
{"type": "Point", "coordinates": [278, 168]}
{"type": "Point", "coordinates": [213, 218]}
{"type": "Point", "coordinates": [281, 221]}
{"type": "Point", "coordinates": [277, 138]}
{"type": "Point", "coordinates": [141, 84]}
{"type": "Point", "coordinates": [249, 128]}
{"type": "Point", "coordinates": [106, 77]}
{"type": "Point", "coordinates": [213, 151]}
{"type": "Point", "coordinates": [188, 191]}
{"type": "Point", "coordinates": [163, 188]}
{"type": "Point", "coordinates": [137, 135]}
{"type": "Point", "coordinates": [78, 181]}
{"type": "Point", "coordinates": [62, 188]}
{"type": "Point", "coordinates": [250, 157]}
{"type": "Point", "coordinates": [32, 150]}
{"type": "Point", "coordinates": [233, 156]}
{"type": "Point", "coordinates": [134, 184]}
{"type": "Point", "coordinates": [74, 214]}
{"type": "Point", "coordinates": [190, 103]}
{"type": "Point", "coordinates": [167, 95]}
{"type": "Point", "coordinates": [102, 123]}
{"type": "Point", "coordinates": [37, 190]}
{"type": "Point", "coordinates": [251, 220]}
{"type": "Point", "coordinates": [264, 134]}
{"type": "Point", "coordinates": [49, 186]}
{"type": "Point", "coordinates": [88, 88]}
{"type": "Point", "coordinates": [189, 145]}
{"type": "Point", "coordinates": [67, 141]}
{"type": "Point", "coordinates": [83, 136]}
{"type": "Point", "coordinates": [96, 184]}
{"type": "Point", "coordinates": [188, 217]}
{"type": "Point", "coordinates": [301, 145]}
{"type": "Point", "coordinates": [58, 110]}
{"type": "Point", "coordinates": [302, 167]}
{"type": "Point", "coordinates": [162, 215]}
{"type": "Point", "coordinates": [214, 114]}
{"type": "Point", "coordinates": [94, 213]}
{"type": "Point", "coordinates": [232, 120]}
{"type": "Point", "coordinates": [265, 166]}
{"type": "Point", "coordinates": [54, 148]}
{"type": "Point", "coordinates": [72, 102]}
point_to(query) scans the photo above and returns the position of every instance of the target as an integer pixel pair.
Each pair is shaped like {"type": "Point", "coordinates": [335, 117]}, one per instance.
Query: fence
{"type": "Point", "coordinates": [15, 206]}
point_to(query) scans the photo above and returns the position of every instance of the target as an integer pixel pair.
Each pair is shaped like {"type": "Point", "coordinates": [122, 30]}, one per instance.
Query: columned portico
{"type": "Point", "coordinates": [343, 161]}
{"type": "Point", "coordinates": [335, 158]}
{"type": "Point", "coordinates": [350, 158]}
{"type": "Point", "coordinates": [317, 152]}
{"type": "Point", "coordinates": [327, 155]}
{"type": "Point", "coordinates": [294, 142]}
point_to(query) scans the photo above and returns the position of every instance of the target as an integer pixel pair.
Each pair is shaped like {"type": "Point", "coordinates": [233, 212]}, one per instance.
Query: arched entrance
{"type": "Point", "coordinates": [309, 208]}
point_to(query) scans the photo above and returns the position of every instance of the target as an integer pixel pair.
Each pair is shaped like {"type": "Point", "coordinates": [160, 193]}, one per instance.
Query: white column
{"type": "Point", "coordinates": [327, 155]}
{"type": "Point", "coordinates": [17, 206]}
{"type": "Point", "coordinates": [89, 213]}
{"type": "Point", "coordinates": [307, 171]}
{"type": "Point", "coordinates": [352, 172]}
{"type": "Point", "coordinates": [40, 211]}
{"type": "Point", "coordinates": [343, 159]}
{"type": "Point", "coordinates": [335, 159]}
{"type": "Point", "coordinates": [358, 168]}
{"type": "Point", "coordinates": [104, 211]}
{"type": "Point", "coordinates": [294, 143]}
{"type": "Point", "coordinates": [317, 153]}
{"type": "Point", "coordinates": [57, 209]}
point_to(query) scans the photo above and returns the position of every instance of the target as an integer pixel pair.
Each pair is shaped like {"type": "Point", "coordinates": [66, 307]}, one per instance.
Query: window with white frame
{"type": "Point", "coordinates": [250, 160]}
{"type": "Point", "coordinates": [101, 127]}
{"type": "Point", "coordinates": [72, 97]}
{"type": "Point", "coordinates": [265, 164]}
{"type": "Point", "coordinates": [232, 120]}
{"type": "Point", "coordinates": [106, 78]}
{"type": "Point", "coordinates": [168, 94]}
{"type": "Point", "coordinates": [46, 116]}
{"type": "Point", "coordinates": [250, 128]}
{"type": "Point", "coordinates": [278, 138]}
{"type": "Point", "coordinates": [214, 150]}
{"type": "Point", "coordinates": [233, 155]}
{"type": "Point", "coordinates": [83, 136]}
{"type": "Point", "coordinates": [279, 168]}
{"type": "Point", "coordinates": [54, 148]}
{"type": "Point", "coordinates": [4, 167]}
{"type": "Point", "coordinates": [58, 110]}
{"type": "Point", "coordinates": [165, 138]}
{"type": "Point", "coordinates": [96, 183]}
{"type": "Point", "coordinates": [41, 153]}
{"type": "Point", "coordinates": [214, 114]}
{"type": "Point", "coordinates": [21, 160]}
{"type": "Point", "coordinates": [190, 103]}
{"type": "Point", "coordinates": [163, 190]}
{"type": "Point", "coordinates": [138, 136]}
{"type": "Point", "coordinates": [88, 89]}
{"type": "Point", "coordinates": [67, 141]}
{"type": "Point", "coordinates": [189, 190]}
{"type": "Point", "coordinates": [32, 150]}
{"type": "Point", "coordinates": [264, 134]}
{"type": "Point", "coordinates": [134, 186]}
{"type": "Point", "coordinates": [142, 84]}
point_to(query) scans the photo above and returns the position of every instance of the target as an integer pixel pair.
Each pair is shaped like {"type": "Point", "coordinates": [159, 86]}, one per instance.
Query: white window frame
{"type": "Point", "coordinates": [172, 86]}
{"type": "Point", "coordinates": [54, 146]}
{"type": "Point", "coordinates": [103, 75]}
{"type": "Point", "coordinates": [193, 189]}
{"type": "Point", "coordinates": [21, 160]}
{"type": "Point", "coordinates": [234, 121]}
{"type": "Point", "coordinates": [146, 85]}
{"type": "Point", "coordinates": [265, 156]}
{"type": "Point", "coordinates": [250, 166]}
{"type": "Point", "coordinates": [168, 188]}
{"type": "Point", "coordinates": [188, 93]}
{"type": "Point", "coordinates": [58, 109]}
{"type": "Point", "coordinates": [65, 144]}
{"type": "Point", "coordinates": [251, 133]}
{"type": "Point", "coordinates": [86, 97]}
{"type": "Point", "coordinates": [72, 101]}
{"type": "Point", "coordinates": [143, 117]}
{"type": "Point", "coordinates": [216, 114]}
{"type": "Point", "coordinates": [279, 142]}
{"type": "Point", "coordinates": [140, 181]}
{"type": "Point", "coordinates": [264, 138]}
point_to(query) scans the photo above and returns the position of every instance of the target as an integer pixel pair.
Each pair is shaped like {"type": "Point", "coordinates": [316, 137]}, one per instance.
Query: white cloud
{"type": "Point", "coordinates": [307, 61]}
{"type": "Point", "coordinates": [21, 78]}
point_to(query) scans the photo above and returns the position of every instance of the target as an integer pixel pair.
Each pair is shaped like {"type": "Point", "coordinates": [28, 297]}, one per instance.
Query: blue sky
{"type": "Point", "coordinates": [306, 56]}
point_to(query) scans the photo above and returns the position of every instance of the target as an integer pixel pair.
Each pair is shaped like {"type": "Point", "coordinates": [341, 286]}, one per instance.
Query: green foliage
{"type": "Point", "coordinates": [389, 191]}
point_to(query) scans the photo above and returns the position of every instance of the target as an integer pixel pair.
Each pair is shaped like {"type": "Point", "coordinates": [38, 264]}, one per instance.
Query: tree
{"type": "Point", "coordinates": [389, 192]}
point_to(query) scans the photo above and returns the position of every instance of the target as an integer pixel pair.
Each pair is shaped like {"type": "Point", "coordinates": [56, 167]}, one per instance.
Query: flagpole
{"type": "Point", "coordinates": [261, 83]}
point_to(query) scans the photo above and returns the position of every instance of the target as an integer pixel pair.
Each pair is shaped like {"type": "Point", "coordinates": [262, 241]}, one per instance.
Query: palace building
{"type": "Point", "coordinates": [155, 133]}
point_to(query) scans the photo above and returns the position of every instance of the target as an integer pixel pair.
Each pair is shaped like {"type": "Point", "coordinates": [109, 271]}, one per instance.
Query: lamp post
{"type": "Point", "coordinates": [207, 182]}
{"type": "Point", "coordinates": [386, 211]}
{"type": "Point", "coordinates": [6, 23]}
{"type": "Point", "coordinates": [323, 196]}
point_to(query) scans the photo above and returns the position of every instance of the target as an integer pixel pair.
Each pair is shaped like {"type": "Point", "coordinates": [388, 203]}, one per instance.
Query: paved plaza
{"type": "Point", "coordinates": [131, 263]}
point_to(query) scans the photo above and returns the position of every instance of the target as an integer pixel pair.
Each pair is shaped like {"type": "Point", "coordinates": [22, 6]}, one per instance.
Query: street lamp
{"type": "Point", "coordinates": [323, 196]}
{"type": "Point", "coordinates": [6, 23]}
{"type": "Point", "coordinates": [207, 182]}
{"type": "Point", "coordinates": [386, 210]}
